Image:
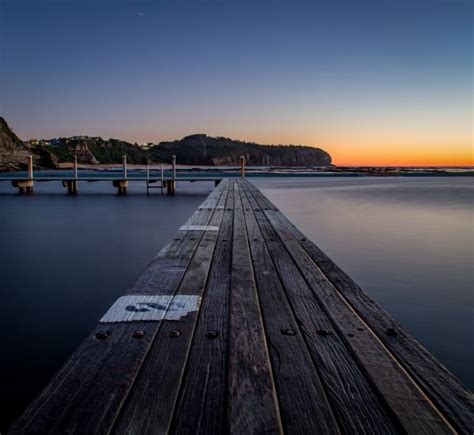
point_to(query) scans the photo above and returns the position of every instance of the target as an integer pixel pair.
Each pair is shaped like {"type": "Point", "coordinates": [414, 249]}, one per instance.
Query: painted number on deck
{"type": "Point", "coordinates": [137, 308]}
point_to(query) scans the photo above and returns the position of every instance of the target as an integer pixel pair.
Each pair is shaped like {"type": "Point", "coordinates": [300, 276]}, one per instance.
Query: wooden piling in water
{"type": "Point", "coordinates": [170, 185]}
{"type": "Point", "coordinates": [25, 185]}
{"type": "Point", "coordinates": [122, 184]}
{"type": "Point", "coordinates": [72, 185]}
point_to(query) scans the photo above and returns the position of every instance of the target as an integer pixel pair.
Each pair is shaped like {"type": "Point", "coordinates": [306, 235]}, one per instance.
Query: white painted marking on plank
{"type": "Point", "coordinates": [138, 308]}
{"type": "Point", "coordinates": [199, 228]}
{"type": "Point", "coordinates": [217, 207]}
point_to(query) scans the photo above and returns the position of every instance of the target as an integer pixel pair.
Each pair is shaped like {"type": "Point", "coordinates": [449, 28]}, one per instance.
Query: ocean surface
{"type": "Point", "coordinates": [408, 241]}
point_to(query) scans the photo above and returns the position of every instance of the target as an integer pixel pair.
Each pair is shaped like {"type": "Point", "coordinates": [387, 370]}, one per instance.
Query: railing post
{"type": "Point", "coordinates": [162, 177]}
{"type": "Point", "coordinates": [75, 168]}
{"type": "Point", "coordinates": [173, 163]}
{"type": "Point", "coordinates": [242, 166]}
{"type": "Point", "coordinates": [30, 167]}
{"type": "Point", "coordinates": [124, 161]}
{"type": "Point", "coordinates": [147, 177]}
{"type": "Point", "coordinates": [173, 182]}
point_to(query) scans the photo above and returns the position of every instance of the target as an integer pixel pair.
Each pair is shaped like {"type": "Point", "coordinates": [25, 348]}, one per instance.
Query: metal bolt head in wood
{"type": "Point", "coordinates": [392, 332]}
{"type": "Point", "coordinates": [138, 334]}
{"type": "Point", "coordinates": [288, 331]}
{"type": "Point", "coordinates": [323, 332]}
{"type": "Point", "coordinates": [100, 335]}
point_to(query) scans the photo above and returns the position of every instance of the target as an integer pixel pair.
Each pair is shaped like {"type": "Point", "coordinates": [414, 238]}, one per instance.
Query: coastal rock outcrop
{"type": "Point", "coordinates": [197, 149]}
{"type": "Point", "coordinates": [13, 152]}
{"type": "Point", "coordinates": [200, 149]}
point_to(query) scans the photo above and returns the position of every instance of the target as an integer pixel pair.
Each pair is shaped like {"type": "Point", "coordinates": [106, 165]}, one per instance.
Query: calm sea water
{"type": "Point", "coordinates": [409, 242]}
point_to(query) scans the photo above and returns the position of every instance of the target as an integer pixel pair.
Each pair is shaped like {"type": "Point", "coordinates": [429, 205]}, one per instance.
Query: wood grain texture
{"type": "Point", "coordinates": [86, 394]}
{"type": "Point", "coordinates": [304, 406]}
{"type": "Point", "coordinates": [251, 396]}
{"type": "Point", "coordinates": [356, 406]}
{"type": "Point", "coordinates": [411, 407]}
{"type": "Point", "coordinates": [450, 397]}
{"type": "Point", "coordinates": [170, 349]}
{"type": "Point", "coordinates": [201, 404]}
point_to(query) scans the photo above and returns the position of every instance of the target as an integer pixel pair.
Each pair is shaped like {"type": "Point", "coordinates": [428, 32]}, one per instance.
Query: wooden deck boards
{"type": "Point", "coordinates": [280, 341]}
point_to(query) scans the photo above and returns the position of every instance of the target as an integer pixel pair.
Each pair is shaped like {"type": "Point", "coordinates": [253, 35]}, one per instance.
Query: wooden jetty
{"type": "Point", "coordinates": [71, 183]}
{"type": "Point", "coordinates": [242, 325]}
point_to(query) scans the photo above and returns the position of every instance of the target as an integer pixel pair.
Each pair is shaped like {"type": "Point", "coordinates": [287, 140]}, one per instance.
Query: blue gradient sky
{"type": "Point", "coordinates": [372, 82]}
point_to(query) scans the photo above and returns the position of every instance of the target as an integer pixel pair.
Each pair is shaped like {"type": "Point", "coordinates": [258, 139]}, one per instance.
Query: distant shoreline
{"type": "Point", "coordinates": [254, 171]}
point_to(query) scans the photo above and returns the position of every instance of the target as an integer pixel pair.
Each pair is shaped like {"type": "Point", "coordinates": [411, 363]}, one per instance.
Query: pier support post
{"type": "Point", "coordinates": [242, 166]}
{"type": "Point", "coordinates": [71, 186]}
{"type": "Point", "coordinates": [170, 187]}
{"type": "Point", "coordinates": [121, 186]}
{"type": "Point", "coordinates": [25, 186]}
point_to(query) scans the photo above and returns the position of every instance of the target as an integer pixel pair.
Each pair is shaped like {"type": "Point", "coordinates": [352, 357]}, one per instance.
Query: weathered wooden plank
{"type": "Point", "coordinates": [160, 376]}
{"type": "Point", "coordinates": [356, 406]}
{"type": "Point", "coordinates": [251, 396]}
{"type": "Point", "coordinates": [412, 408]}
{"type": "Point", "coordinates": [88, 391]}
{"type": "Point", "coordinates": [304, 406]}
{"type": "Point", "coordinates": [201, 404]}
{"type": "Point", "coordinates": [448, 395]}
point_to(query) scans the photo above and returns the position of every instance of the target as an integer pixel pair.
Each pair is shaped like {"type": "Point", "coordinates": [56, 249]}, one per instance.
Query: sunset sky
{"type": "Point", "coordinates": [372, 82]}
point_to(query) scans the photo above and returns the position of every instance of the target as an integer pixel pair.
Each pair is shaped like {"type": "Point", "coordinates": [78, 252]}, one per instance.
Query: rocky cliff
{"type": "Point", "coordinates": [13, 152]}
{"type": "Point", "coordinates": [200, 149]}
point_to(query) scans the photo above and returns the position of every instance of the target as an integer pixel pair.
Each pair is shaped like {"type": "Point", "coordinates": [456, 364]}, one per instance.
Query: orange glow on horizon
{"type": "Point", "coordinates": [402, 155]}
{"type": "Point", "coordinates": [356, 153]}
{"type": "Point", "coordinates": [360, 157]}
